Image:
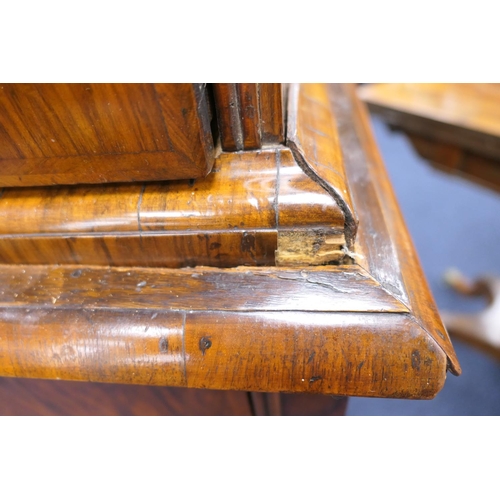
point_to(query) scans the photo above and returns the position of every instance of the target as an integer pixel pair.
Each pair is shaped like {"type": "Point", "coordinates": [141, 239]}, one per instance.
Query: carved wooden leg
{"type": "Point", "coordinates": [480, 329]}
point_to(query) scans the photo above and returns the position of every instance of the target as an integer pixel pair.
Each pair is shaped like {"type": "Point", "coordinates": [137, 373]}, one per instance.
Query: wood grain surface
{"type": "Point", "coordinates": [252, 206]}
{"type": "Point", "coordinates": [272, 111]}
{"type": "Point", "coordinates": [383, 354]}
{"type": "Point", "coordinates": [319, 288]}
{"type": "Point", "coordinates": [456, 127]}
{"type": "Point", "coordinates": [31, 397]}
{"type": "Point", "coordinates": [390, 255]}
{"type": "Point", "coordinates": [312, 136]}
{"type": "Point", "coordinates": [99, 133]}
{"type": "Point", "coordinates": [250, 115]}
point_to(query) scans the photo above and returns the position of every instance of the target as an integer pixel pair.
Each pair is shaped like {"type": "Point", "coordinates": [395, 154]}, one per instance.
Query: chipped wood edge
{"type": "Point", "coordinates": [145, 286]}
{"type": "Point", "coordinates": [307, 165]}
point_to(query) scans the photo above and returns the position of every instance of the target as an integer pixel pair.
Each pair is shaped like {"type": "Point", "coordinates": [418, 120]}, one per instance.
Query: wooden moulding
{"type": "Point", "coordinates": [312, 135]}
{"type": "Point", "coordinates": [100, 133]}
{"type": "Point", "coordinates": [250, 115]}
{"type": "Point", "coordinates": [252, 209]}
{"type": "Point", "coordinates": [453, 126]}
{"type": "Point", "coordinates": [455, 160]}
{"type": "Point", "coordinates": [385, 249]}
{"type": "Point", "coordinates": [364, 329]}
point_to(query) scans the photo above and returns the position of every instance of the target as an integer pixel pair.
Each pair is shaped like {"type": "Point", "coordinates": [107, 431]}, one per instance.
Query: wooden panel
{"type": "Point", "coordinates": [22, 397]}
{"type": "Point", "coordinates": [228, 116]}
{"type": "Point", "coordinates": [238, 194]}
{"type": "Point", "coordinates": [313, 138]}
{"type": "Point", "coordinates": [25, 397]}
{"type": "Point", "coordinates": [250, 115]}
{"type": "Point", "coordinates": [97, 133]}
{"type": "Point", "coordinates": [227, 219]}
{"type": "Point", "coordinates": [343, 330]}
{"type": "Point", "coordinates": [69, 209]}
{"type": "Point", "coordinates": [210, 328]}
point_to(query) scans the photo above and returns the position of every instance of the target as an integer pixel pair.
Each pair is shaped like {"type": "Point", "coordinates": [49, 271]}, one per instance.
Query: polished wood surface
{"type": "Point", "coordinates": [250, 115]}
{"type": "Point", "coordinates": [338, 354]}
{"type": "Point", "coordinates": [272, 97]}
{"type": "Point", "coordinates": [365, 328]}
{"type": "Point", "coordinates": [255, 208]}
{"type": "Point", "coordinates": [286, 274]}
{"type": "Point", "coordinates": [24, 397]}
{"type": "Point", "coordinates": [455, 160]}
{"type": "Point", "coordinates": [99, 133]}
{"type": "Point", "coordinates": [385, 248]}
{"type": "Point", "coordinates": [466, 115]}
{"type": "Point", "coordinates": [480, 329]}
{"type": "Point", "coordinates": [316, 288]}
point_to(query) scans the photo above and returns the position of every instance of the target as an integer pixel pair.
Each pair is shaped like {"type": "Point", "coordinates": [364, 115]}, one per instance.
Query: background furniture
{"type": "Point", "coordinates": [456, 127]}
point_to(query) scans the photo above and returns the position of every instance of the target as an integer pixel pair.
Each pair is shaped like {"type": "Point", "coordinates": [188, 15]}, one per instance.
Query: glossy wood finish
{"type": "Point", "coordinates": [367, 328]}
{"type": "Point", "coordinates": [364, 328]}
{"type": "Point", "coordinates": [252, 206]}
{"type": "Point", "coordinates": [272, 110]}
{"type": "Point", "coordinates": [385, 248]}
{"type": "Point", "coordinates": [23, 397]}
{"type": "Point", "coordinates": [250, 115]}
{"type": "Point", "coordinates": [312, 136]}
{"type": "Point", "coordinates": [319, 288]}
{"type": "Point", "coordinates": [99, 133]}
{"type": "Point", "coordinates": [456, 127]}
{"type": "Point", "coordinates": [258, 351]}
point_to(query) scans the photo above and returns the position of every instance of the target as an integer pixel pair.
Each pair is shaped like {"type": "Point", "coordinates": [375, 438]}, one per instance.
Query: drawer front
{"type": "Point", "coordinates": [97, 133]}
